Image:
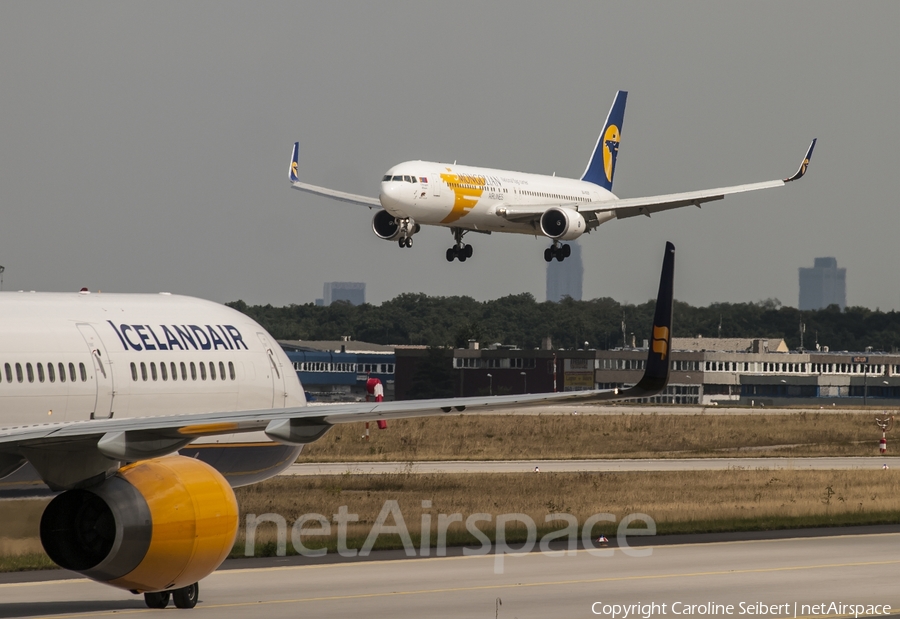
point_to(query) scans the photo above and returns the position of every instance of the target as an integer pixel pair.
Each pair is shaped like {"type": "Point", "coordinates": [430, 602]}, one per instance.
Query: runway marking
{"type": "Point", "coordinates": [556, 583]}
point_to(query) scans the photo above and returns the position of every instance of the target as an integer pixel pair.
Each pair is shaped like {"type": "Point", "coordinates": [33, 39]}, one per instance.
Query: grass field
{"type": "Point", "coordinates": [679, 502]}
{"type": "Point", "coordinates": [504, 437]}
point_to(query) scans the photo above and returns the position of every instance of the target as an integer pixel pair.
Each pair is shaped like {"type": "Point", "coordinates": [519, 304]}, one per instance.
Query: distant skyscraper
{"type": "Point", "coordinates": [565, 278]}
{"type": "Point", "coordinates": [354, 292]}
{"type": "Point", "coordinates": [823, 285]}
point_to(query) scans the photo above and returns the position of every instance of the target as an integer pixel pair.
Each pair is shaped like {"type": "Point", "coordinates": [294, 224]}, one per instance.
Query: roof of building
{"type": "Point", "coordinates": [727, 344]}
{"type": "Point", "coordinates": [335, 346]}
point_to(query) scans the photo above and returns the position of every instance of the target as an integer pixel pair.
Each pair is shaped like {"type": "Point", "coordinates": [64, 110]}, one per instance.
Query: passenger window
{"type": "Point", "coordinates": [174, 371]}
{"type": "Point", "coordinates": [30, 371]}
{"type": "Point", "coordinates": [40, 369]}
{"type": "Point", "coordinates": [72, 372]}
{"type": "Point", "coordinates": [143, 371]}
{"type": "Point", "coordinates": [51, 373]}
{"type": "Point", "coordinates": [212, 371]}
{"type": "Point", "coordinates": [19, 372]}
{"type": "Point", "coordinates": [202, 371]}
{"type": "Point", "coordinates": [83, 371]}
{"type": "Point", "coordinates": [62, 373]}
{"type": "Point", "coordinates": [193, 371]}
{"type": "Point", "coordinates": [221, 370]}
{"type": "Point", "coordinates": [133, 371]}
{"type": "Point", "coordinates": [163, 371]}
{"type": "Point", "coordinates": [230, 369]}
{"type": "Point", "coordinates": [8, 369]}
{"type": "Point", "coordinates": [153, 370]}
{"type": "Point", "coordinates": [183, 371]}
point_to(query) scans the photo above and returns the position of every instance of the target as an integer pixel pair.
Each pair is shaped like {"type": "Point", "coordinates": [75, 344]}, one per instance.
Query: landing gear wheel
{"type": "Point", "coordinates": [560, 256]}
{"type": "Point", "coordinates": [567, 251]}
{"type": "Point", "coordinates": [548, 254]}
{"type": "Point", "coordinates": [462, 256]}
{"type": "Point", "coordinates": [451, 255]}
{"type": "Point", "coordinates": [186, 597]}
{"type": "Point", "coordinates": [157, 600]}
{"type": "Point", "coordinates": [402, 243]}
{"type": "Point", "coordinates": [468, 251]}
{"type": "Point", "coordinates": [409, 241]}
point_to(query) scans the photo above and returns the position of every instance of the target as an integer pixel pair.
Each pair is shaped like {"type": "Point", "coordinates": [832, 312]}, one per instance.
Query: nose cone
{"type": "Point", "coordinates": [390, 196]}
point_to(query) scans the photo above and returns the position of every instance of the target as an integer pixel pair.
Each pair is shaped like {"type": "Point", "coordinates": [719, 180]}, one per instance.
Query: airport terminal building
{"type": "Point", "coordinates": [707, 371]}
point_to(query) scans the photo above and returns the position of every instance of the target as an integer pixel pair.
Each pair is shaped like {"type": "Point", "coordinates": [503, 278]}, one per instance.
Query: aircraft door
{"type": "Point", "coordinates": [276, 370]}
{"type": "Point", "coordinates": [103, 375]}
{"type": "Point", "coordinates": [436, 183]}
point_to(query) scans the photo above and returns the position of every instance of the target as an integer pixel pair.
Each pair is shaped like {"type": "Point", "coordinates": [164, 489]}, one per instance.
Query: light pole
{"type": "Point", "coordinates": [524, 382]}
{"type": "Point", "coordinates": [490, 384]}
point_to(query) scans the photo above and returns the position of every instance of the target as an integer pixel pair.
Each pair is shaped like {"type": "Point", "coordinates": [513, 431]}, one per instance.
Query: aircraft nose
{"type": "Point", "coordinates": [390, 194]}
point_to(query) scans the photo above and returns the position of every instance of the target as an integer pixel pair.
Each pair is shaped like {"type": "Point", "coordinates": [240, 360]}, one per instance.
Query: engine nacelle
{"type": "Point", "coordinates": [156, 525]}
{"type": "Point", "coordinates": [391, 228]}
{"type": "Point", "coordinates": [562, 223]}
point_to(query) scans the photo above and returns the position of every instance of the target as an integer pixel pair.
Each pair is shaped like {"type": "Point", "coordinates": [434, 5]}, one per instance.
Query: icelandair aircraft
{"type": "Point", "coordinates": [145, 411]}
{"type": "Point", "coordinates": [472, 199]}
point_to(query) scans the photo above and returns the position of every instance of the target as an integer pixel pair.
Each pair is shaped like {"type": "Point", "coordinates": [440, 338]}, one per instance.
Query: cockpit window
{"type": "Point", "coordinates": [398, 178]}
{"type": "Point", "coordinates": [387, 178]}
{"type": "Point", "coordinates": [408, 179]}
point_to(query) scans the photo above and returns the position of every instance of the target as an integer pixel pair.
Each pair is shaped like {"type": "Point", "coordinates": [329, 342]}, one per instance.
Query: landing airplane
{"type": "Point", "coordinates": [145, 411]}
{"type": "Point", "coordinates": [474, 199]}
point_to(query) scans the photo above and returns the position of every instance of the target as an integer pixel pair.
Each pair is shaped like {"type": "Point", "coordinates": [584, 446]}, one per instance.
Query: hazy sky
{"type": "Point", "coordinates": [145, 146]}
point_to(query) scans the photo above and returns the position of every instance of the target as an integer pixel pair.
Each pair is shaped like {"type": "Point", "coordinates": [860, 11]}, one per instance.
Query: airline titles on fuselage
{"type": "Point", "coordinates": [182, 337]}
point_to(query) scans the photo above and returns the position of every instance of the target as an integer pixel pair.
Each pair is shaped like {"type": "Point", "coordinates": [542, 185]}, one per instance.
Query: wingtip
{"type": "Point", "coordinates": [804, 165]}
{"type": "Point", "coordinates": [295, 162]}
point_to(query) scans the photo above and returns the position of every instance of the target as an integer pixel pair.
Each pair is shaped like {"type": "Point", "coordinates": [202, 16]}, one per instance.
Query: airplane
{"type": "Point", "coordinates": [475, 199]}
{"type": "Point", "coordinates": [145, 410]}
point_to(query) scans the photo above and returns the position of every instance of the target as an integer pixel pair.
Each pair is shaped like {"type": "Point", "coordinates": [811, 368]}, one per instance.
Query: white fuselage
{"type": "Point", "coordinates": [78, 356]}
{"type": "Point", "coordinates": [468, 197]}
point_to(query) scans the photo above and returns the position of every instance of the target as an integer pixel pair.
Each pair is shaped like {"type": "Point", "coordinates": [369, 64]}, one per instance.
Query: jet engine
{"type": "Point", "coordinates": [391, 228]}
{"type": "Point", "coordinates": [562, 224]}
{"type": "Point", "coordinates": [156, 525]}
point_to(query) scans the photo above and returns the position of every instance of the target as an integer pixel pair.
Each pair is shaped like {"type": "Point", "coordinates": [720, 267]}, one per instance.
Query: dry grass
{"type": "Point", "coordinates": [679, 502]}
{"type": "Point", "coordinates": [552, 436]}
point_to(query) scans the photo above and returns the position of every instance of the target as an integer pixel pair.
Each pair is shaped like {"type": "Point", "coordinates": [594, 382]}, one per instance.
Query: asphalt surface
{"type": "Point", "coordinates": [521, 466]}
{"type": "Point", "coordinates": [858, 569]}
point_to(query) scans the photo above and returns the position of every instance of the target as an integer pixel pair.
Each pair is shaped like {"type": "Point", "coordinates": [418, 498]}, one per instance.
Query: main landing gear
{"type": "Point", "coordinates": [405, 241]}
{"type": "Point", "coordinates": [460, 250]}
{"type": "Point", "coordinates": [186, 597]}
{"type": "Point", "coordinates": [560, 252]}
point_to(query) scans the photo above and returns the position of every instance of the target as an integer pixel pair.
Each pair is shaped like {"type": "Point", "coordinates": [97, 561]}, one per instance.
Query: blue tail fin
{"type": "Point", "coordinates": [602, 166]}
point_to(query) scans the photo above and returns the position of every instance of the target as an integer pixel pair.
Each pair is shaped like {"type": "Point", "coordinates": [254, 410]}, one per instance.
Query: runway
{"type": "Point", "coordinates": [852, 569]}
{"type": "Point", "coordinates": [599, 466]}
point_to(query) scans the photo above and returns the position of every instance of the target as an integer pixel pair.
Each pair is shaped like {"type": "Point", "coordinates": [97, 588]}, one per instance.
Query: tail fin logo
{"type": "Point", "coordinates": [294, 169]}
{"type": "Point", "coordinates": [661, 341]}
{"type": "Point", "coordinates": [610, 150]}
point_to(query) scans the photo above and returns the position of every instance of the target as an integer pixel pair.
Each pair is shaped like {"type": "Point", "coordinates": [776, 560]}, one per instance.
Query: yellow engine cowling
{"type": "Point", "coordinates": [155, 525]}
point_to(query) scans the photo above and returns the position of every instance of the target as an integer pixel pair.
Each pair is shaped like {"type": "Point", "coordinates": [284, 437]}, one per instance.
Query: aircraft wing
{"type": "Point", "coordinates": [631, 207]}
{"type": "Point", "coordinates": [324, 191]}
{"type": "Point", "coordinates": [102, 441]}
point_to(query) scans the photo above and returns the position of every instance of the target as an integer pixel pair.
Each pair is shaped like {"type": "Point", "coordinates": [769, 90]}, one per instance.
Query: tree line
{"type": "Point", "coordinates": [415, 318]}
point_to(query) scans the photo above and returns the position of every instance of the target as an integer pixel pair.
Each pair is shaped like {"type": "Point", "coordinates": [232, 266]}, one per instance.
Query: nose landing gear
{"type": "Point", "coordinates": [560, 252]}
{"type": "Point", "coordinates": [407, 229]}
{"type": "Point", "coordinates": [460, 250]}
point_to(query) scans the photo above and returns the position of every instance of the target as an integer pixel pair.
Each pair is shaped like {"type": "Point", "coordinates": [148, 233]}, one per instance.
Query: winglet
{"type": "Point", "coordinates": [656, 373]}
{"type": "Point", "coordinates": [295, 162]}
{"type": "Point", "coordinates": [804, 165]}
